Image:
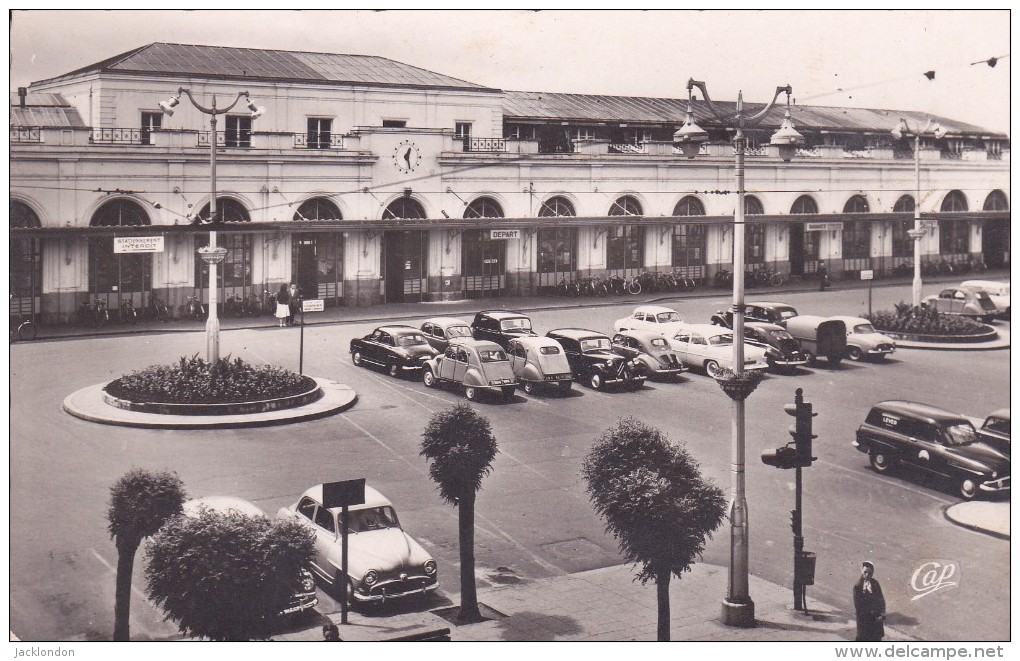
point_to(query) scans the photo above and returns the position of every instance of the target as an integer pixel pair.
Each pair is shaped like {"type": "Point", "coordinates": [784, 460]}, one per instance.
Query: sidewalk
{"type": "Point", "coordinates": [991, 518]}
{"type": "Point", "coordinates": [608, 605]}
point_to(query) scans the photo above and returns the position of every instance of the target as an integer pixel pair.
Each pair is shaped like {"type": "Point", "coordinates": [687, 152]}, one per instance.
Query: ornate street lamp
{"type": "Point", "coordinates": [899, 131]}
{"type": "Point", "coordinates": [211, 254]}
{"type": "Point", "coordinates": [738, 608]}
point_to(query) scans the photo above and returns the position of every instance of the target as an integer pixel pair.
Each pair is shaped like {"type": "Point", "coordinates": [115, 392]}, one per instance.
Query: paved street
{"type": "Point", "coordinates": [534, 519]}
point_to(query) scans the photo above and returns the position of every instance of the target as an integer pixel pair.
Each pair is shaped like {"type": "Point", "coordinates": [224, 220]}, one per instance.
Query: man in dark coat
{"type": "Point", "coordinates": [870, 605]}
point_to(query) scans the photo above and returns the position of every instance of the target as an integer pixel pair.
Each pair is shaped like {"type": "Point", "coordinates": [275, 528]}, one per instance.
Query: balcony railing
{"type": "Point", "coordinates": [486, 145]}
{"type": "Point", "coordinates": [903, 153]}
{"type": "Point", "coordinates": [319, 140]}
{"type": "Point", "coordinates": [627, 148]}
{"type": "Point", "coordinates": [119, 136]}
{"type": "Point", "coordinates": [26, 134]}
{"type": "Point", "coordinates": [226, 139]}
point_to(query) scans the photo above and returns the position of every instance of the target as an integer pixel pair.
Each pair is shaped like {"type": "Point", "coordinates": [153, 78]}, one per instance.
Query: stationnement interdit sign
{"type": "Point", "coordinates": [124, 244]}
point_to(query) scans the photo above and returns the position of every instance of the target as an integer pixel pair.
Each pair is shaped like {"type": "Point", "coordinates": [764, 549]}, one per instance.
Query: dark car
{"type": "Point", "coordinates": [767, 312]}
{"type": "Point", "coordinates": [995, 430]}
{"type": "Point", "coordinates": [936, 441]}
{"type": "Point", "coordinates": [651, 350]}
{"type": "Point", "coordinates": [500, 326]}
{"type": "Point", "coordinates": [593, 361]}
{"type": "Point", "coordinates": [394, 348]}
{"type": "Point", "coordinates": [782, 350]}
{"type": "Point", "coordinates": [440, 331]}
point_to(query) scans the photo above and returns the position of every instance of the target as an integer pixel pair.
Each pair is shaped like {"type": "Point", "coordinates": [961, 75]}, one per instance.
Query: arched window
{"type": "Point", "coordinates": [484, 207]}
{"type": "Point", "coordinates": [954, 236]}
{"type": "Point", "coordinates": [856, 239]}
{"type": "Point", "coordinates": [318, 208]}
{"type": "Point", "coordinates": [954, 201]}
{"type": "Point", "coordinates": [111, 272]}
{"type": "Point", "coordinates": [625, 244]}
{"type": "Point", "coordinates": [235, 270]}
{"type": "Point", "coordinates": [904, 205]}
{"type": "Point", "coordinates": [228, 209]}
{"type": "Point", "coordinates": [21, 216]}
{"type": "Point", "coordinates": [626, 206]}
{"type": "Point", "coordinates": [753, 206]}
{"type": "Point", "coordinates": [404, 208]}
{"type": "Point", "coordinates": [754, 233]}
{"type": "Point", "coordinates": [25, 265]}
{"type": "Point", "coordinates": [856, 204]}
{"type": "Point", "coordinates": [804, 204]}
{"type": "Point", "coordinates": [996, 201]}
{"type": "Point", "coordinates": [689, 206]}
{"type": "Point", "coordinates": [557, 206]}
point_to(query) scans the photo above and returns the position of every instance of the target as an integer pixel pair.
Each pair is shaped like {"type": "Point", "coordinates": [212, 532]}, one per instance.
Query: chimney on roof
{"type": "Point", "coordinates": [22, 93]}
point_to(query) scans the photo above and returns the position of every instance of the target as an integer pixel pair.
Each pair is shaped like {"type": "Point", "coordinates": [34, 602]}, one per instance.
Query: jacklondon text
{"type": "Point", "coordinates": [41, 651]}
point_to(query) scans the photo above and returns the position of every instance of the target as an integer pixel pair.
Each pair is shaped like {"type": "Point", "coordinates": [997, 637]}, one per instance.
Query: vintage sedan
{"type": "Point", "coordinates": [766, 312]}
{"type": "Point", "coordinates": [302, 600]}
{"type": "Point", "coordinates": [383, 562]}
{"type": "Point", "coordinates": [397, 349]}
{"type": "Point", "coordinates": [972, 303]}
{"type": "Point", "coordinates": [500, 326]}
{"type": "Point", "coordinates": [997, 291]}
{"type": "Point", "coordinates": [782, 350]}
{"type": "Point", "coordinates": [935, 441]}
{"type": "Point", "coordinates": [651, 350]}
{"type": "Point", "coordinates": [593, 361]}
{"type": "Point", "coordinates": [477, 365]}
{"type": "Point", "coordinates": [539, 361]}
{"type": "Point", "coordinates": [995, 430]}
{"type": "Point", "coordinates": [709, 347]}
{"type": "Point", "coordinates": [655, 318]}
{"type": "Point", "coordinates": [440, 331]}
{"type": "Point", "coordinates": [863, 341]}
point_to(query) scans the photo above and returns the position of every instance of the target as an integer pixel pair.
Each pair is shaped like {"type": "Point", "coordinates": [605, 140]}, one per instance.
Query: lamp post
{"type": "Point", "coordinates": [211, 254]}
{"type": "Point", "coordinates": [737, 607]}
{"type": "Point", "coordinates": [900, 130]}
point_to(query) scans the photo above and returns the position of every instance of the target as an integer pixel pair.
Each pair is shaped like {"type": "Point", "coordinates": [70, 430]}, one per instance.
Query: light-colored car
{"type": "Point", "coordinates": [709, 347]}
{"type": "Point", "coordinates": [972, 303]}
{"type": "Point", "coordinates": [477, 365]}
{"type": "Point", "coordinates": [440, 331]}
{"type": "Point", "coordinates": [997, 291]}
{"type": "Point", "coordinates": [655, 318]}
{"type": "Point", "coordinates": [539, 361]}
{"type": "Point", "coordinates": [383, 562]}
{"type": "Point", "coordinates": [651, 350]}
{"type": "Point", "coordinates": [863, 341]}
{"type": "Point", "coordinates": [301, 600]}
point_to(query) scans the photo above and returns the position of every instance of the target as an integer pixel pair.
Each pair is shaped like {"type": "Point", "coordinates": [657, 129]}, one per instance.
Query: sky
{"type": "Point", "coordinates": [860, 58]}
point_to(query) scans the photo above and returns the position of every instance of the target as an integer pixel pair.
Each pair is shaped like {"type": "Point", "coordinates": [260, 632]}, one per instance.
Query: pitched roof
{"type": "Point", "coordinates": [546, 106]}
{"type": "Point", "coordinates": [261, 64]}
{"type": "Point", "coordinates": [42, 109]}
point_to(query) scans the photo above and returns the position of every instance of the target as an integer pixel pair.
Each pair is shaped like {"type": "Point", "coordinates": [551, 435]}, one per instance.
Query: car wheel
{"type": "Point", "coordinates": [810, 358]}
{"type": "Point", "coordinates": [471, 393]}
{"type": "Point", "coordinates": [968, 488]}
{"type": "Point", "coordinates": [346, 593]}
{"type": "Point", "coordinates": [428, 378]}
{"type": "Point", "coordinates": [528, 386]}
{"type": "Point", "coordinates": [711, 368]}
{"type": "Point", "coordinates": [393, 370]}
{"type": "Point", "coordinates": [595, 381]}
{"type": "Point", "coordinates": [854, 353]}
{"type": "Point", "coordinates": [356, 358]}
{"type": "Point", "coordinates": [880, 461]}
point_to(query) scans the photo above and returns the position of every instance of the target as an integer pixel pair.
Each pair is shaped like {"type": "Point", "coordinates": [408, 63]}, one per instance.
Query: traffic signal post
{"type": "Point", "coordinates": [797, 457]}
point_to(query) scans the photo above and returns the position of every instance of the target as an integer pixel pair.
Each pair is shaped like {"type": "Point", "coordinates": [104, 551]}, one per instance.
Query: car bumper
{"type": "Point", "coordinates": [396, 589]}
{"type": "Point", "coordinates": [996, 486]}
{"type": "Point", "coordinates": [789, 362]}
{"type": "Point", "coordinates": [881, 351]}
{"type": "Point", "coordinates": [671, 371]}
{"type": "Point", "coordinates": [300, 603]}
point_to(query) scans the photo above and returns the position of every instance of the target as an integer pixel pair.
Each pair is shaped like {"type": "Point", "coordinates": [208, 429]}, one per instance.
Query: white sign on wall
{"type": "Point", "coordinates": [504, 234]}
{"type": "Point", "coordinates": [867, 274]}
{"type": "Point", "coordinates": [821, 227]}
{"type": "Point", "coordinates": [312, 305]}
{"type": "Point", "coordinates": [123, 244]}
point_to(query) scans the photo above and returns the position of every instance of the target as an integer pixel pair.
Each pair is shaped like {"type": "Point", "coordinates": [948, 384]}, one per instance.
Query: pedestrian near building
{"type": "Point", "coordinates": [823, 276]}
{"type": "Point", "coordinates": [295, 303]}
{"type": "Point", "coordinates": [870, 605]}
{"type": "Point", "coordinates": [282, 305]}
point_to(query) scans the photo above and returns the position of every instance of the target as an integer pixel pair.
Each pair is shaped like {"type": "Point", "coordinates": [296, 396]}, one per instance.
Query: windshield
{"type": "Point", "coordinates": [596, 344]}
{"type": "Point", "coordinates": [410, 340]}
{"type": "Point", "coordinates": [659, 342]}
{"type": "Point", "coordinates": [786, 314]}
{"type": "Point", "coordinates": [548, 351]}
{"type": "Point", "coordinates": [667, 317]}
{"type": "Point", "coordinates": [458, 331]}
{"type": "Point", "coordinates": [374, 518]}
{"type": "Point", "coordinates": [491, 355]}
{"type": "Point", "coordinates": [780, 335]}
{"type": "Point", "coordinates": [517, 323]}
{"type": "Point", "coordinates": [961, 433]}
{"type": "Point", "coordinates": [864, 328]}
{"type": "Point", "coordinates": [720, 340]}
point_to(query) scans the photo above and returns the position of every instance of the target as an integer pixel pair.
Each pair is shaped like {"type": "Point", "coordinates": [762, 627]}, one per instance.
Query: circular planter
{"type": "Point", "coordinates": [987, 336]}
{"type": "Point", "coordinates": [738, 388]}
{"type": "Point", "coordinates": [313, 393]}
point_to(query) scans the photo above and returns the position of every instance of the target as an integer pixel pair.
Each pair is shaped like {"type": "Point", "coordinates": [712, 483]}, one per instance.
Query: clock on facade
{"type": "Point", "coordinates": [406, 156]}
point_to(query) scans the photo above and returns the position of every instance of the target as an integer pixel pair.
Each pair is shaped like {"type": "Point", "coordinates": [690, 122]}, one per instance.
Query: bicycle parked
{"type": "Point", "coordinates": [22, 328]}
{"type": "Point", "coordinates": [93, 313]}
{"type": "Point", "coordinates": [158, 309]}
{"type": "Point", "coordinates": [193, 308]}
{"type": "Point", "coordinates": [128, 314]}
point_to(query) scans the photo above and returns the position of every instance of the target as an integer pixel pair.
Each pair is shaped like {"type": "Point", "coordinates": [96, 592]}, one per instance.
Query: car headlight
{"type": "Point", "coordinates": [430, 567]}
{"type": "Point", "coordinates": [370, 577]}
{"type": "Point", "coordinates": [995, 474]}
{"type": "Point", "coordinates": [307, 582]}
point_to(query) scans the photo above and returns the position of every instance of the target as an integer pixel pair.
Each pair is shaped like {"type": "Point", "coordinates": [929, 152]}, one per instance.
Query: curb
{"type": "Point", "coordinates": [972, 526]}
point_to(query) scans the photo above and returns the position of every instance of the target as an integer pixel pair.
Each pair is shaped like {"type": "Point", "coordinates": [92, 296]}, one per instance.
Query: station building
{"type": "Point", "coordinates": [367, 180]}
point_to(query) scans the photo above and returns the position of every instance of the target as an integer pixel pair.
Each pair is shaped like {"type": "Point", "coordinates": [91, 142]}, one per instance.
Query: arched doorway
{"type": "Point", "coordinates": [856, 237]}
{"type": "Point", "coordinates": [483, 260]}
{"type": "Point", "coordinates": [235, 271]}
{"type": "Point", "coordinates": [995, 233]}
{"type": "Point", "coordinates": [557, 246]}
{"type": "Point", "coordinates": [405, 254]}
{"type": "Point", "coordinates": [625, 244]}
{"type": "Point", "coordinates": [116, 278]}
{"type": "Point", "coordinates": [317, 257]}
{"type": "Point", "coordinates": [690, 240]}
{"type": "Point", "coordinates": [803, 244]}
{"type": "Point", "coordinates": [954, 233]}
{"type": "Point", "coordinates": [25, 265]}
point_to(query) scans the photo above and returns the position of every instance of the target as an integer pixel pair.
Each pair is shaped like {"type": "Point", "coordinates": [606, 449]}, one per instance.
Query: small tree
{"type": "Point", "coordinates": [226, 575]}
{"type": "Point", "coordinates": [140, 503]}
{"type": "Point", "coordinates": [654, 501]}
{"type": "Point", "coordinates": [460, 445]}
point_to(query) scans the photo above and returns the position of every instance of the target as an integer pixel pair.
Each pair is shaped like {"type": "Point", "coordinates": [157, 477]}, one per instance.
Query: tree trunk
{"type": "Point", "coordinates": [662, 596]}
{"type": "Point", "coordinates": [468, 595]}
{"type": "Point", "coordinates": [122, 600]}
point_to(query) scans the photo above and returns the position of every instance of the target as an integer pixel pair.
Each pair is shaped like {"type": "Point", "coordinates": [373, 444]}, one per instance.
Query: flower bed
{"type": "Point", "coordinates": [906, 320]}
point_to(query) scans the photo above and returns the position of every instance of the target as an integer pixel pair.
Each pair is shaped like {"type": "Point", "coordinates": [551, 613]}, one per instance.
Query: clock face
{"type": "Point", "coordinates": [406, 156]}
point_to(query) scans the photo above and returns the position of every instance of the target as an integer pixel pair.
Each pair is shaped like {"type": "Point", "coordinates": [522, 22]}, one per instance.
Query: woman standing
{"type": "Point", "coordinates": [282, 305]}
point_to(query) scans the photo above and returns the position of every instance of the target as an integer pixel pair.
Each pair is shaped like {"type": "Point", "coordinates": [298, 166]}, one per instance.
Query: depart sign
{"type": "Point", "coordinates": [821, 227]}
{"type": "Point", "coordinates": [504, 234]}
{"type": "Point", "coordinates": [122, 244]}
